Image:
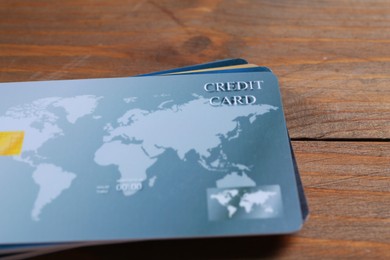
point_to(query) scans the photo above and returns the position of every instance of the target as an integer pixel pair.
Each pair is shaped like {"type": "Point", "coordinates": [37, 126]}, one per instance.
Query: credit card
{"type": "Point", "coordinates": [226, 69]}
{"type": "Point", "coordinates": [170, 150]}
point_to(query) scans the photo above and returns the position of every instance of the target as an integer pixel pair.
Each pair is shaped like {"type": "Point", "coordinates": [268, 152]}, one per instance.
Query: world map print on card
{"type": "Point", "coordinates": [244, 202]}
{"type": "Point", "coordinates": [132, 143]}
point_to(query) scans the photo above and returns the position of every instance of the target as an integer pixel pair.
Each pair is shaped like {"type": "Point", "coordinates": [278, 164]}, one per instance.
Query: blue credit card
{"type": "Point", "coordinates": [183, 148]}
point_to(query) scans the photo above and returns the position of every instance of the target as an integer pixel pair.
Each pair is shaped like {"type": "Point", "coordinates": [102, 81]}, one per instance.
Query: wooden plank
{"type": "Point", "coordinates": [332, 57]}
{"type": "Point", "coordinates": [347, 185]}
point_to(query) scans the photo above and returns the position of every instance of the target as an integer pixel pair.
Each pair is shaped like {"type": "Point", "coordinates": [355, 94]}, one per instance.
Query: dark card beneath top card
{"type": "Point", "coordinates": [214, 64]}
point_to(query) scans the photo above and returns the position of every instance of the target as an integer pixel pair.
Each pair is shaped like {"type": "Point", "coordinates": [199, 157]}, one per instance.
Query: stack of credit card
{"type": "Point", "coordinates": [194, 152]}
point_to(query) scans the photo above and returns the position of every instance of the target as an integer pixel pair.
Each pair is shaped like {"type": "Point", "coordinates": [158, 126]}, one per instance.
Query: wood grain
{"type": "Point", "coordinates": [347, 184]}
{"type": "Point", "coordinates": [332, 57]}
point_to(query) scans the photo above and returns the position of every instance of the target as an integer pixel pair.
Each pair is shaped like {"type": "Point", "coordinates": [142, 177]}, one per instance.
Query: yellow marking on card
{"type": "Point", "coordinates": [11, 143]}
{"type": "Point", "coordinates": [243, 66]}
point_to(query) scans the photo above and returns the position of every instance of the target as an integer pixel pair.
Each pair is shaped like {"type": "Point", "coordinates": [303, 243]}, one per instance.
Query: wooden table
{"type": "Point", "coordinates": [332, 58]}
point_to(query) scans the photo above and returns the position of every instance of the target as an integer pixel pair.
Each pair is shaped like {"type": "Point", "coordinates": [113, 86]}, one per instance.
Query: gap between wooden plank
{"type": "Point", "coordinates": [341, 139]}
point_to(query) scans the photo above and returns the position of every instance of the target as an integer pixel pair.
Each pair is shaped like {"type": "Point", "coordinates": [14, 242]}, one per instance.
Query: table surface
{"type": "Point", "coordinates": [332, 58]}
